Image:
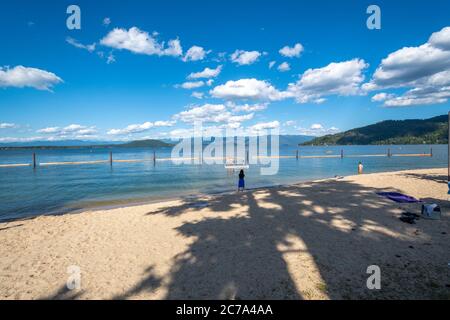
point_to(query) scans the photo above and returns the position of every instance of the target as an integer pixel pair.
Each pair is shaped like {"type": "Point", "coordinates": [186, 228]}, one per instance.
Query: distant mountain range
{"type": "Point", "coordinates": [77, 144]}
{"type": "Point", "coordinates": [294, 140]}
{"type": "Point", "coordinates": [284, 140]}
{"type": "Point", "coordinates": [417, 131]}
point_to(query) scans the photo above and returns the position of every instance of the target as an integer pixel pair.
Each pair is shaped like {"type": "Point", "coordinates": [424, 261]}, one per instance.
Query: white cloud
{"type": "Point", "coordinates": [70, 131]}
{"type": "Point", "coordinates": [22, 139]}
{"type": "Point", "coordinates": [204, 113]}
{"type": "Point", "coordinates": [441, 39]}
{"type": "Point", "coordinates": [317, 129]}
{"type": "Point", "coordinates": [382, 96]}
{"type": "Point", "coordinates": [137, 128]}
{"type": "Point", "coordinates": [408, 65]}
{"type": "Point", "coordinates": [271, 64]}
{"type": "Point", "coordinates": [132, 128]}
{"type": "Point", "coordinates": [198, 95]}
{"type": "Point", "coordinates": [206, 73]}
{"type": "Point", "coordinates": [181, 133]}
{"type": "Point", "coordinates": [169, 123]}
{"type": "Point", "coordinates": [6, 125]}
{"type": "Point", "coordinates": [424, 69]}
{"type": "Point", "coordinates": [264, 126]}
{"type": "Point", "coordinates": [141, 42]}
{"type": "Point", "coordinates": [319, 100]}
{"type": "Point", "coordinates": [425, 95]}
{"type": "Point", "coordinates": [213, 113]}
{"type": "Point", "coordinates": [74, 128]}
{"type": "Point", "coordinates": [49, 130]}
{"type": "Point", "coordinates": [406, 101]}
{"type": "Point", "coordinates": [337, 78]}
{"type": "Point", "coordinates": [240, 118]}
{"type": "Point", "coordinates": [291, 52]}
{"type": "Point", "coordinates": [247, 89]}
{"type": "Point", "coordinates": [242, 57]}
{"type": "Point", "coordinates": [247, 107]}
{"type": "Point", "coordinates": [191, 84]}
{"type": "Point", "coordinates": [290, 123]}
{"type": "Point", "coordinates": [86, 132]}
{"type": "Point", "coordinates": [342, 78]}
{"type": "Point", "coordinates": [174, 48]}
{"type": "Point", "coordinates": [21, 76]}
{"type": "Point", "coordinates": [195, 53]}
{"type": "Point", "coordinates": [46, 138]}
{"type": "Point", "coordinates": [75, 43]}
{"type": "Point", "coordinates": [284, 67]}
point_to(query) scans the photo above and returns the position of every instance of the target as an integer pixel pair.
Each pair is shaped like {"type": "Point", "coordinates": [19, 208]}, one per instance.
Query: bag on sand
{"type": "Point", "coordinates": [431, 211]}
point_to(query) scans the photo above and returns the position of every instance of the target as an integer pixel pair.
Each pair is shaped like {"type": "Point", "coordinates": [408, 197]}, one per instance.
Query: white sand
{"type": "Point", "coordinates": [307, 241]}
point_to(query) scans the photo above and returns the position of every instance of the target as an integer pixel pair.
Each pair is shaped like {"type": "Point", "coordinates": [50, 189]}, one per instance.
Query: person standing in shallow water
{"type": "Point", "coordinates": [241, 184]}
{"type": "Point", "coordinates": [360, 168]}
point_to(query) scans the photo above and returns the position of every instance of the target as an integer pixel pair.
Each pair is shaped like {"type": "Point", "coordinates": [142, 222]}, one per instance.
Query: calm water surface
{"type": "Point", "coordinates": [57, 189]}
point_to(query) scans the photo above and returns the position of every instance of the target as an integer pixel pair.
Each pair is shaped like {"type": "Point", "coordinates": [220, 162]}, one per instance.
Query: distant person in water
{"type": "Point", "coordinates": [360, 168]}
{"type": "Point", "coordinates": [241, 184]}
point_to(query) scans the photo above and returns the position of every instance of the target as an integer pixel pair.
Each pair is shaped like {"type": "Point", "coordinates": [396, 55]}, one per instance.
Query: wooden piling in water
{"type": "Point", "coordinates": [201, 158]}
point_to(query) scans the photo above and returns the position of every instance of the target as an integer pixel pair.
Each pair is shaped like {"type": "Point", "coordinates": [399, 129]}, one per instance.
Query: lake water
{"type": "Point", "coordinates": [26, 192]}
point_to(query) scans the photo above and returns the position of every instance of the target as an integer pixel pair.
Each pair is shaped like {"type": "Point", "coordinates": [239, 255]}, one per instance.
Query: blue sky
{"type": "Point", "coordinates": [123, 79]}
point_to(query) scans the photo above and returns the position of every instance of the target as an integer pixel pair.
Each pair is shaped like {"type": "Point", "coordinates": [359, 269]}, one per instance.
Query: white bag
{"type": "Point", "coordinates": [431, 211]}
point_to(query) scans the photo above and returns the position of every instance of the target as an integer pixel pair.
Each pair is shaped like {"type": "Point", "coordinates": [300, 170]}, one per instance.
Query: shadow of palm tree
{"type": "Point", "coordinates": [263, 252]}
{"type": "Point", "coordinates": [150, 283]}
{"type": "Point", "coordinates": [433, 177]}
{"type": "Point", "coordinates": [63, 293]}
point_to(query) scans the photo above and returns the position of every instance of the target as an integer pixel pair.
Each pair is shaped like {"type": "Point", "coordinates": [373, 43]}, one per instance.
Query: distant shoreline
{"type": "Point", "coordinates": [132, 144]}
{"type": "Point", "coordinates": [125, 146]}
{"type": "Point", "coordinates": [75, 147]}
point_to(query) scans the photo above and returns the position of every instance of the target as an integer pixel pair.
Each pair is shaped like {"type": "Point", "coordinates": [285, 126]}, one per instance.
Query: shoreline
{"type": "Point", "coordinates": [310, 240]}
{"type": "Point", "coordinates": [210, 194]}
{"type": "Point", "coordinates": [127, 203]}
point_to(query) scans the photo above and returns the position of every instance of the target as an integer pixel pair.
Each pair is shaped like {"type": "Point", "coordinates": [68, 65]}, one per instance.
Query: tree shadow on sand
{"type": "Point", "coordinates": [63, 293]}
{"type": "Point", "coordinates": [151, 283]}
{"type": "Point", "coordinates": [421, 176]}
{"type": "Point", "coordinates": [282, 237]}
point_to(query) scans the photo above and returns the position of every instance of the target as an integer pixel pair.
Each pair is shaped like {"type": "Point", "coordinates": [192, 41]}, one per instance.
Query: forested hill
{"type": "Point", "coordinates": [417, 131]}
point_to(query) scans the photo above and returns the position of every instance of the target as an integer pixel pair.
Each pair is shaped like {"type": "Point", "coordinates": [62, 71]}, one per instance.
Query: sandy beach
{"type": "Point", "coordinates": [312, 240]}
